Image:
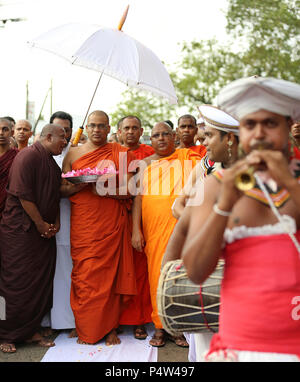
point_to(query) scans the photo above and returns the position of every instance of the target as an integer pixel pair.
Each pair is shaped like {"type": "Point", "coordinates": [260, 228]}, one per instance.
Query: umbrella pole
{"type": "Point", "coordinates": [80, 130]}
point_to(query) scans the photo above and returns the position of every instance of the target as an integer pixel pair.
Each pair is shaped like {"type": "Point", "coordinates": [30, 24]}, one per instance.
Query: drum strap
{"type": "Point", "coordinates": [203, 310]}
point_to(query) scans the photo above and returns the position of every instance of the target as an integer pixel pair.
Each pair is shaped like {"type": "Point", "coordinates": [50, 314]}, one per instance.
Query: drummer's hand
{"type": "Point", "coordinates": [229, 194]}
{"type": "Point", "coordinates": [276, 163]}
{"type": "Point", "coordinates": [137, 240]}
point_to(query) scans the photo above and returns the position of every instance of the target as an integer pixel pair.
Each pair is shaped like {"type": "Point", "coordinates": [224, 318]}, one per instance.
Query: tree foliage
{"type": "Point", "coordinates": [149, 109]}
{"type": "Point", "coordinates": [263, 39]}
{"type": "Point", "coordinates": [270, 29]}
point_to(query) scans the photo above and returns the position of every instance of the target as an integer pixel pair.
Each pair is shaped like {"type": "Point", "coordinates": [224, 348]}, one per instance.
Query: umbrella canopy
{"type": "Point", "coordinates": [111, 52]}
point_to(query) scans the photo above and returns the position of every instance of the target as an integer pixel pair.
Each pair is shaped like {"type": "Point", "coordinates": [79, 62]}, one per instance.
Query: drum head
{"type": "Point", "coordinates": [184, 306]}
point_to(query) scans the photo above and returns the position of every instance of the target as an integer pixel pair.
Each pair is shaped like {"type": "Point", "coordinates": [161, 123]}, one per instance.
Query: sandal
{"type": "Point", "coordinates": [140, 332]}
{"type": "Point", "coordinates": [7, 347]}
{"type": "Point", "coordinates": [179, 340]}
{"type": "Point", "coordinates": [159, 338]}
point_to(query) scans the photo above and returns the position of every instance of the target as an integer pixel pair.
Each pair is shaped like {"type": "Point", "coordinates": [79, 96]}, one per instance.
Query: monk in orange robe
{"type": "Point", "coordinates": [138, 312]}
{"type": "Point", "coordinates": [187, 131]}
{"type": "Point", "coordinates": [103, 278]}
{"type": "Point", "coordinates": [163, 179]}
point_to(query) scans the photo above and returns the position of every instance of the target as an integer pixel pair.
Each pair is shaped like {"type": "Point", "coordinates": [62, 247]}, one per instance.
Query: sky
{"type": "Point", "coordinates": [161, 25]}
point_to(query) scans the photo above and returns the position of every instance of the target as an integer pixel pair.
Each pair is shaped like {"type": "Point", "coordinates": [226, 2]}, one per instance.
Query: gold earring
{"type": "Point", "coordinates": [230, 143]}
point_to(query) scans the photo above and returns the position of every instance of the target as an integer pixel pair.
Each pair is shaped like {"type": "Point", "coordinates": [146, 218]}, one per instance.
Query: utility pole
{"type": "Point", "coordinates": [27, 100]}
{"type": "Point", "coordinates": [51, 96]}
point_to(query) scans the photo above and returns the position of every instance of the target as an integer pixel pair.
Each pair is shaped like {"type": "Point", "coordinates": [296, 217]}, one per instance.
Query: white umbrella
{"type": "Point", "coordinates": [111, 52]}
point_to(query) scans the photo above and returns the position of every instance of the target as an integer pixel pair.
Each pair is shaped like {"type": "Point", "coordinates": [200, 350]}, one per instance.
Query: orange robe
{"type": "Point", "coordinates": [103, 271]}
{"type": "Point", "coordinates": [139, 310]}
{"type": "Point", "coordinates": [143, 151]}
{"type": "Point", "coordinates": [200, 149]}
{"type": "Point", "coordinates": [161, 186]}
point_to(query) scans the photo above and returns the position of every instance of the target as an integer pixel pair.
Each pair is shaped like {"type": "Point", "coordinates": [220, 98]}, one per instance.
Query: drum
{"type": "Point", "coordinates": [187, 307]}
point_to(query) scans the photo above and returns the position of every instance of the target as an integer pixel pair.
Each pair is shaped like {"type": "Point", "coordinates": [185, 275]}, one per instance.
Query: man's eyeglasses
{"type": "Point", "coordinates": [164, 134]}
{"type": "Point", "coordinates": [99, 125]}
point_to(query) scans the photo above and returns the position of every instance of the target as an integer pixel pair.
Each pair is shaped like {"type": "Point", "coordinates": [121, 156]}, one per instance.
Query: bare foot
{"type": "Point", "coordinates": [73, 333]}
{"type": "Point", "coordinates": [46, 332]}
{"type": "Point", "coordinates": [81, 342]}
{"type": "Point", "coordinates": [39, 340]}
{"type": "Point", "coordinates": [159, 338]}
{"type": "Point", "coordinates": [140, 332]}
{"type": "Point", "coordinates": [112, 338]}
{"type": "Point", "coordinates": [8, 347]}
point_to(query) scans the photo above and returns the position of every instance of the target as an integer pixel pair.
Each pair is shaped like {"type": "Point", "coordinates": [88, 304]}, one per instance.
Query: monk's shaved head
{"type": "Point", "coordinates": [161, 124]}
{"type": "Point", "coordinates": [22, 122]}
{"type": "Point", "coordinates": [53, 138]}
{"type": "Point", "coordinates": [163, 139]}
{"type": "Point", "coordinates": [8, 122]}
{"type": "Point", "coordinates": [50, 129]}
{"type": "Point", "coordinates": [99, 113]}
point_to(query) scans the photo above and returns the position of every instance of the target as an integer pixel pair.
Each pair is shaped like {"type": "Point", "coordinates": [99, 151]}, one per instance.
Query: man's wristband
{"type": "Point", "coordinates": [221, 212]}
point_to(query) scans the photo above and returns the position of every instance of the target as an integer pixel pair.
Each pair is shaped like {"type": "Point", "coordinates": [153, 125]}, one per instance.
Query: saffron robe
{"type": "Point", "coordinates": [163, 180]}
{"type": "Point", "coordinates": [143, 151]}
{"type": "Point", "coordinates": [103, 276]}
{"type": "Point", "coordinates": [5, 164]}
{"type": "Point", "coordinates": [27, 259]}
{"type": "Point", "coordinates": [139, 310]}
{"type": "Point", "coordinates": [199, 149]}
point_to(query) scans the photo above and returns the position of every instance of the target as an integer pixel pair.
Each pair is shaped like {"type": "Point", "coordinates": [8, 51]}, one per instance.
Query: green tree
{"type": "Point", "coordinates": [270, 32]}
{"type": "Point", "coordinates": [206, 66]}
{"type": "Point", "coordinates": [148, 108]}
{"type": "Point", "coordinates": [263, 39]}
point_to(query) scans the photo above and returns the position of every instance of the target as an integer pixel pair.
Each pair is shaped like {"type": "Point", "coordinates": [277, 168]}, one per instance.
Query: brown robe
{"type": "Point", "coordinates": [28, 260]}
{"type": "Point", "coordinates": [5, 164]}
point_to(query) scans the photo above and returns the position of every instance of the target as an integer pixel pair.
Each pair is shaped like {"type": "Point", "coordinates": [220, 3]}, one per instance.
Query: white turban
{"type": "Point", "coordinates": [248, 95]}
{"type": "Point", "coordinates": [200, 121]}
{"type": "Point", "coordinates": [219, 119]}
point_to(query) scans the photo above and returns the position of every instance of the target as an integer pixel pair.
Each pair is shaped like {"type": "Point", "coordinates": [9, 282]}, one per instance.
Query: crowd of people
{"type": "Point", "coordinates": [87, 257]}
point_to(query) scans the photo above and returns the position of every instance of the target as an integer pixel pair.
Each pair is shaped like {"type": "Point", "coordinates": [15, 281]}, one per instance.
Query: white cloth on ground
{"type": "Point", "coordinates": [130, 350]}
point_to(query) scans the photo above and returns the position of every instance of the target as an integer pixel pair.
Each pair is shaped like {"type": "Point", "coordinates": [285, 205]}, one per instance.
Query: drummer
{"type": "Point", "coordinates": [258, 320]}
{"type": "Point", "coordinates": [221, 142]}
